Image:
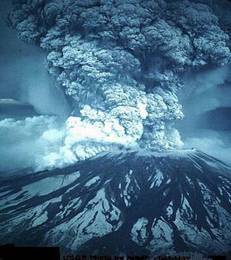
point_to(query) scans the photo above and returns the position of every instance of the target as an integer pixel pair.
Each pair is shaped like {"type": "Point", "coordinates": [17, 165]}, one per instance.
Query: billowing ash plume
{"type": "Point", "coordinates": [122, 63]}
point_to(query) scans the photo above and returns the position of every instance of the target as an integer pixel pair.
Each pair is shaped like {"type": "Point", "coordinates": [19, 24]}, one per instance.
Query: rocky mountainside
{"type": "Point", "coordinates": [129, 202]}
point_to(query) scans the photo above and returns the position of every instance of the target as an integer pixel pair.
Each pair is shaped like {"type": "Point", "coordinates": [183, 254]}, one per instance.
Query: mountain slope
{"type": "Point", "coordinates": [129, 202]}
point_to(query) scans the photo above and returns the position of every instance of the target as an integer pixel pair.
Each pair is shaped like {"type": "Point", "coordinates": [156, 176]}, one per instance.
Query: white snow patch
{"type": "Point", "coordinates": [92, 181]}
{"type": "Point", "coordinates": [139, 231]}
{"type": "Point", "coordinates": [49, 184]}
{"type": "Point", "coordinates": [157, 180]}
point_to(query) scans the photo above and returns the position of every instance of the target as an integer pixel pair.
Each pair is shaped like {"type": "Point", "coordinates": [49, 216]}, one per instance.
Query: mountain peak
{"type": "Point", "coordinates": [130, 202]}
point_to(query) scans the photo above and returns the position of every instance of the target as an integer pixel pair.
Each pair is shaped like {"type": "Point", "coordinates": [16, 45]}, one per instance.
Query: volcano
{"type": "Point", "coordinates": [125, 202]}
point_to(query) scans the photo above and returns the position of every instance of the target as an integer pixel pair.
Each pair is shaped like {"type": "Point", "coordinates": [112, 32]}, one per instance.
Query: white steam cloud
{"type": "Point", "coordinates": [43, 142]}
{"type": "Point", "coordinates": [24, 142]}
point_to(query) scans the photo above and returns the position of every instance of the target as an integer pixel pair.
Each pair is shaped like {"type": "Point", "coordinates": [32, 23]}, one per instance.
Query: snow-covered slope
{"type": "Point", "coordinates": [129, 202]}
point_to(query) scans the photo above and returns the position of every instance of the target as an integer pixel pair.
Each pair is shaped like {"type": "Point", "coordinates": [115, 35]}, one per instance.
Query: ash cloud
{"type": "Point", "coordinates": [124, 66]}
{"type": "Point", "coordinates": [118, 56]}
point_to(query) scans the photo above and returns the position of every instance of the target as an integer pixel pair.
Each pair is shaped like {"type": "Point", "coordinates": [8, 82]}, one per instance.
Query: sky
{"type": "Point", "coordinates": [23, 74]}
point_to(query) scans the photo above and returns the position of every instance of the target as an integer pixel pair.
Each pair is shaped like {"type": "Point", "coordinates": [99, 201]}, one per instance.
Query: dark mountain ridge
{"type": "Point", "coordinates": [132, 202]}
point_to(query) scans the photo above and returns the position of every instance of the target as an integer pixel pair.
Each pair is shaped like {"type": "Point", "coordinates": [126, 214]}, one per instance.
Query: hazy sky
{"type": "Point", "coordinates": [23, 73]}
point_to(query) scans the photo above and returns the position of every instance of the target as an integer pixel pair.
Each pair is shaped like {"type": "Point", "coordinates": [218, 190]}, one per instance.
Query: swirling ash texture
{"type": "Point", "coordinates": [121, 62]}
